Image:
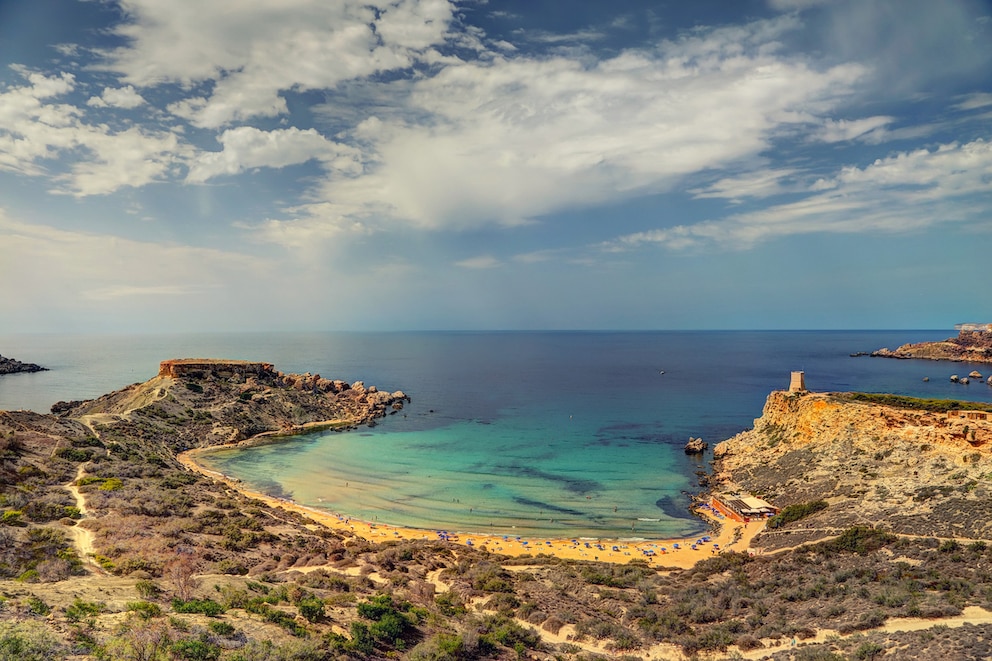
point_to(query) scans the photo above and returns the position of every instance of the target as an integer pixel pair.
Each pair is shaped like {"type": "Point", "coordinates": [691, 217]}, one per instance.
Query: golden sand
{"type": "Point", "coordinates": [727, 534]}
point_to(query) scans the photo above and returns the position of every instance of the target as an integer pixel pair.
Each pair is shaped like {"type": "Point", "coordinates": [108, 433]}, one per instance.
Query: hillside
{"type": "Point", "coordinates": [918, 471]}
{"type": "Point", "coordinates": [111, 550]}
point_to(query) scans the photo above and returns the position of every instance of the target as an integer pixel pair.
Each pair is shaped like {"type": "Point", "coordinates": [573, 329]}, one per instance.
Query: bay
{"type": "Point", "coordinates": [564, 434]}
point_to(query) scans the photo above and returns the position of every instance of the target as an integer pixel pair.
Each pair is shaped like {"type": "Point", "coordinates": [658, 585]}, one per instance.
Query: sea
{"type": "Point", "coordinates": [532, 434]}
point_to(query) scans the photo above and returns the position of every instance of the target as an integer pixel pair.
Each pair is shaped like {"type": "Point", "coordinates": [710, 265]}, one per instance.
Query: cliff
{"type": "Point", "coordinates": [917, 471]}
{"type": "Point", "coordinates": [11, 366]}
{"type": "Point", "coordinates": [973, 346]}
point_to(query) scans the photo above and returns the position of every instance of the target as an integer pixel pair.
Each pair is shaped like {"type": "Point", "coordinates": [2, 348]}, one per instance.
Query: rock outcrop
{"type": "Point", "coordinates": [922, 471]}
{"type": "Point", "coordinates": [696, 446]}
{"type": "Point", "coordinates": [973, 346]}
{"type": "Point", "coordinates": [11, 366]}
{"type": "Point", "coordinates": [199, 402]}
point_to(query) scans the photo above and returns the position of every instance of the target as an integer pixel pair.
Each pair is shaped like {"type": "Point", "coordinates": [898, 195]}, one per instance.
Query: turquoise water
{"type": "Point", "coordinates": [568, 434]}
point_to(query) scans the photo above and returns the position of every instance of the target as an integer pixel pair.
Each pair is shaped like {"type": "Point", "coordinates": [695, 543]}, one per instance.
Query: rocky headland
{"type": "Point", "coordinates": [110, 549]}
{"type": "Point", "coordinates": [11, 366]}
{"type": "Point", "coordinates": [917, 467]}
{"type": "Point", "coordinates": [972, 346]}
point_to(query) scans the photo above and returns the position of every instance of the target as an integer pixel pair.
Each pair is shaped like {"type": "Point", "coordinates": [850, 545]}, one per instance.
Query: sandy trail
{"type": "Point", "coordinates": [83, 538]}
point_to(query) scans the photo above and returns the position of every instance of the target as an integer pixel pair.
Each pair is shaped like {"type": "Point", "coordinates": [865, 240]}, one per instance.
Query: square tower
{"type": "Point", "coordinates": [798, 382]}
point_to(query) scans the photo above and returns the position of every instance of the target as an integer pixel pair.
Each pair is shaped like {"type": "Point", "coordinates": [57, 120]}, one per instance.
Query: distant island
{"type": "Point", "coordinates": [972, 345]}
{"type": "Point", "coordinates": [11, 366]}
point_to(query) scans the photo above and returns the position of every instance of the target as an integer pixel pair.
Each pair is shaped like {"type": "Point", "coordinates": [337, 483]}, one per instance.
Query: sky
{"type": "Point", "coordinates": [262, 165]}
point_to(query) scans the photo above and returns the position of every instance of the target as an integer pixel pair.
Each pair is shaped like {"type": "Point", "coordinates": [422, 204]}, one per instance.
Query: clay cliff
{"type": "Point", "coordinates": [969, 346]}
{"type": "Point", "coordinates": [909, 465]}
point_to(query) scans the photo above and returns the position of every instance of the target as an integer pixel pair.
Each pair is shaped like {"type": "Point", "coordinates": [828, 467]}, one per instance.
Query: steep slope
{"type": "Point", "coordinates": [917, 471]}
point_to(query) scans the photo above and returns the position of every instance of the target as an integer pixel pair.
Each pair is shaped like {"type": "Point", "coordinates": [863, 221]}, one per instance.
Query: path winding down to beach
{"type": "Point", "coordinates": [82, 538]}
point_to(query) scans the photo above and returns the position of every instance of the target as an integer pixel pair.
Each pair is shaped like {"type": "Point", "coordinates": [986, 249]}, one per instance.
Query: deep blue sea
{"type": "Point", "coordinates": [565, 434]}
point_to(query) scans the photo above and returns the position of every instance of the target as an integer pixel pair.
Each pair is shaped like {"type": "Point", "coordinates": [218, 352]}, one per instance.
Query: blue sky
{"type": "Point", "coordinates": [430, 164]}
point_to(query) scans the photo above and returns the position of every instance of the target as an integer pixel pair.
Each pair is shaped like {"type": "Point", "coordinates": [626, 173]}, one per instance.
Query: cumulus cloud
{"type": "Point", "coordinates": [35, 129]}
{"type": "Point", "coordinates": [252, 52]}
{"type": "Point", "coordinates": [246, 147]}
{"type": "Point", "coordinates": [117, 97]}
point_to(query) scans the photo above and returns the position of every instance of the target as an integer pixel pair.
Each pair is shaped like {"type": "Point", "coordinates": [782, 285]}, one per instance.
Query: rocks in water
{"type": "Point", "coordinates": [11, 366]}
{"type": "Point", "coordinates": [695, 446]}
{"type": "Point", "coordinates": [989, 380]}
{"type": "Point", "coordinates": [965, 380]}
{"type": "Point", "coordinates": [975, 374]}
{"type": "Point", "coordinates": [926, 378]}
{"type": "Point", "coordinates": [955, 378]}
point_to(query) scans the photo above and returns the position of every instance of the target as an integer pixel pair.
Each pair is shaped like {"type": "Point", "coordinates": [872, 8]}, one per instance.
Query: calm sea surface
{"type": "Point", "coordinates": [569, 434]}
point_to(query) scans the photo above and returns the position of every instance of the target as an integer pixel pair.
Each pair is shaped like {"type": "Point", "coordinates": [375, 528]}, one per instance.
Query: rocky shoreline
{"type": "Point", "coordinates": [11, 366]}
{"type": "Point", "coordinates": [971, 346]}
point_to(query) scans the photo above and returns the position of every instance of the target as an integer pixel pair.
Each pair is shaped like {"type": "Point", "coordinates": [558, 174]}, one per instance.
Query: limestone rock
{"type": "Point", "coordinates": [695, 446]}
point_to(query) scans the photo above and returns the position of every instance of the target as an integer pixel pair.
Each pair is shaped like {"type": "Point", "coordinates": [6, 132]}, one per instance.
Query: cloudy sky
{"type": "Point", "coordinates": [501, 164]}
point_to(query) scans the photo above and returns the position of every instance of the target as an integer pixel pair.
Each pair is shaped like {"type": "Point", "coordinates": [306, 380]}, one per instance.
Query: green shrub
{"type": "Point", "coordinates": [28, 641]}
{"type": "Point", "coordinates": [194, 649]}
{"type": "Point", "coordinates": [204, 606]}
{"type": "Point", "coordinates": [145, 609]}
{"type": "Point", "coordinates": [80, 609]}
{"type": "Point", "coordinates": [221, 628]}
{"type": "Point", "coordinates": [311, 608]}
{"type": "Point", "coordinates": [12, 518]}
{"type": "Point", "coordinates": [111, 484]}
{"type": "Point", "coordinates": [796, 512]}
{"type": "Point", "coordinates": [38, 607]}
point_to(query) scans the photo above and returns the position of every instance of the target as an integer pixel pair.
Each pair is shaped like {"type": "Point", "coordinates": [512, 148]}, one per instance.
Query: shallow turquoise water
{"type": "Point", "coordinates": [555, 476]}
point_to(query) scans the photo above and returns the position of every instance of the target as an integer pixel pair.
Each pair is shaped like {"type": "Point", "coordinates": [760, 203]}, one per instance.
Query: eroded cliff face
{"type": "Point", "coordinates": [916, 472]}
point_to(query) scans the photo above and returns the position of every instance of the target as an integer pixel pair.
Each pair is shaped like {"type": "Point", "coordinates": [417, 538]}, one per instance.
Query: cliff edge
{"type": "Point", "coordinates": [917, 467]}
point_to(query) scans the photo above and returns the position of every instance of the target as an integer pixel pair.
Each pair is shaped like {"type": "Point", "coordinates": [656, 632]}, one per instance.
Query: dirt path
{"type": "Point", "coordinates": [82, 538]}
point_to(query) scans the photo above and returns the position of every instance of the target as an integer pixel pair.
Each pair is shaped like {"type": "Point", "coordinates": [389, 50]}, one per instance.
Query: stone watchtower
{"type": "Point", "coordinates": [798, 382]}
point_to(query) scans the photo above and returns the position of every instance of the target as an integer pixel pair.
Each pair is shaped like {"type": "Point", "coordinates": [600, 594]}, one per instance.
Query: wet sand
{"type": "Point", "coordinates": [727, 534]}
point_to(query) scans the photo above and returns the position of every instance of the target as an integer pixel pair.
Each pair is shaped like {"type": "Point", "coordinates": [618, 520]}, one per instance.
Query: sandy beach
{"type": "Point", "coordinates": [675, 553]}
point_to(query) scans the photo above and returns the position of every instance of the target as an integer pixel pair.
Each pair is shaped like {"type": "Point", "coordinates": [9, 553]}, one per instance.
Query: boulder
{"type": "Point", "coordinates": [695, 446]}
{"type": "Point", "coordinates": [975, 374]}
{"type": "Point", "coordinates": [954, 378]}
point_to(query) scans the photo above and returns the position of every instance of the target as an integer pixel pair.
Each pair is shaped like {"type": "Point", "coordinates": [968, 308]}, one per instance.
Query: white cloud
{"type": "Point", "coordinates": [117, 97]}
{"type": "Point", "coordinates": [253, 51]}
{"type": "Point", "coordinates": [975, 101]}
{"type": "Point", "coordinates": [35, 130]}
{"type": "Point", "coordinates": [508, 140]}
{"type": "Point", "coordinates": [246, 147]}
{"type": "Point", "coordinates": [479, 262]}
{"type": "Point", "coordinates": [758, 184]}
{"type": "Point", "coordinates": [844, 130]}
{"type": "Point", "coordinates": [903, 192]}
